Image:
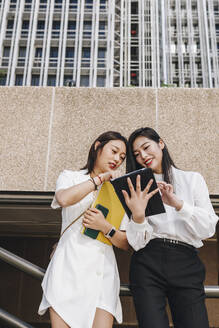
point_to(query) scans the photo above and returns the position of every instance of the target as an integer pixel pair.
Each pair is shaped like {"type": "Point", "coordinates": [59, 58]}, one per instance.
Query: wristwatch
{"type": "Point", "coordinates": [110, 233]}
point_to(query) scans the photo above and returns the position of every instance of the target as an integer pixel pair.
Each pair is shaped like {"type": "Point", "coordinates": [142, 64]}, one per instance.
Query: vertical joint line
{"type": "Point", "coordinates": [49, 139]}
{"type": "Point", "coordinates": [157, 108]}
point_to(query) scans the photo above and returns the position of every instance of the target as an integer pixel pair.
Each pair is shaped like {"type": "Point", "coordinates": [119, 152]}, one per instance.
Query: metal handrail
{"type": "Point", "coordinates": [12, 320]}
{"type": "Point", "coordinates": [21, 264]}
{"type": "Point", "coordinates": [38, 272]}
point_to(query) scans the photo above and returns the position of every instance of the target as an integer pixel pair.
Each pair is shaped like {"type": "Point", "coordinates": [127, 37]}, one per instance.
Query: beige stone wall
{"type": "Point", "coordinates": [44, 130]}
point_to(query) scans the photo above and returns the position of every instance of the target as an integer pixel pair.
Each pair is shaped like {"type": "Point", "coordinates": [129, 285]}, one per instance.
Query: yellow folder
{"type": "Point", "coordinates": [108, 198]}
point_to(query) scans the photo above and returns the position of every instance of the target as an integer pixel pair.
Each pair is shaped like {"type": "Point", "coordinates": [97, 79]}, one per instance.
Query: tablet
{"type": "Point", "coordinates": [155, 205]}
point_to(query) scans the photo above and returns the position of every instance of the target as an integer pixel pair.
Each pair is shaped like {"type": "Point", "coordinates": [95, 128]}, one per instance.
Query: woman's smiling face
{"type": "Point", "coordinates": [148, 153]}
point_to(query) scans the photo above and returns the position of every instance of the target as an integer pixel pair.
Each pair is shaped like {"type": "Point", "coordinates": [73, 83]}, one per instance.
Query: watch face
{"type": "Point", "coordinates": [112, 232]}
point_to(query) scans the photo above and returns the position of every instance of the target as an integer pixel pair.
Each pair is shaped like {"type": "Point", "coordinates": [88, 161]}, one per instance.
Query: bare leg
{"type": "Point", "coordinates": [56, 320]}
{"type": "Point", "coordinates": [102, 319]}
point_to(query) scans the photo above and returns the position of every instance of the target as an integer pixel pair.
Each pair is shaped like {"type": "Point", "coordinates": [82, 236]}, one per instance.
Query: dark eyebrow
{"type": "Point", "coordinates": [134, 151]}
{"type": "Point", "coordinates": [118, 149]}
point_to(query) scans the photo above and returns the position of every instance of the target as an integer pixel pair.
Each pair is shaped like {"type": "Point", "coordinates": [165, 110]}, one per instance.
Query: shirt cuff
{"type": "Point", "coordinates": [140, 227]}
{"type": "Point", "coordinates": [186, 210]}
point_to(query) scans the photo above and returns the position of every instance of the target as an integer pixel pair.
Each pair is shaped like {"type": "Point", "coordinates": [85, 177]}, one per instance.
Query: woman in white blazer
{"type": "Point", "coordinates": [81, 285]}
{"type": "Point", "coordinates": [165, 262]}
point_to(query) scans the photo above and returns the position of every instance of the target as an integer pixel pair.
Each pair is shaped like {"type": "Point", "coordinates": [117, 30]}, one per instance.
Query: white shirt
{"type": "Point", "coordinates": [195, 222]}
{"type": "Point", "coordinates": [82, 273]}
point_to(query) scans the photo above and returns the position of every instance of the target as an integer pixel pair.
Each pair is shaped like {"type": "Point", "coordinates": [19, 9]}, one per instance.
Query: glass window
{"type": "Point", "coordinates": [101, 25]}
{"type": "Point", "coordinates": [38, 52]}
{"type": "Point", "coordinates": [69, 52]}
{"type": "Point", "coordinates": [6, 52]}
{"type": "Point", "coordinates": [41, 25]}
{"type": "Point", "coordinates": [101, 80]}
{"type": "Point", "coordinates": [87, 25]}
{"type": "Point", "coordinates": [68, 81]}
{"type": "Point", "coordinates": [51, 81]}
{"type": "Point", "coordinates": [101, 52]}
{"type": "Point", "coordinates": [25, 25]}
{"type": "Point", "coordinates": [3, 78]}
{"type": "Point", "coordinates": [10, 24]}
{"type": "Point", "coordinates": [86, 52]}
{"type": "Point", "coordinates": [35, 80]}
{"type": "Point", "coordinates": [71, 25]}
{"type": "Point", "coordinates": [54, 52]}
{"type": "Point", "coordinates": [19, 79]}
{"type": "Point", "coordinates": [88, 4]}
{"type": "Point", "coordinates": [84, 80]}
{"type": "Point", "coordinates": [56, 25]}
{"type": "Point", "coordinates": [22, 52]}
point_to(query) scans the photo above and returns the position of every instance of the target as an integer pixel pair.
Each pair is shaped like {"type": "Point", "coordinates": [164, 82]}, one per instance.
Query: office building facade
{"type": "Point", "coordinates": [109, 43]}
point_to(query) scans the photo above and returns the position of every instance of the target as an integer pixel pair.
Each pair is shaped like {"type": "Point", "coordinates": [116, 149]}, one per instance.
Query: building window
{"type": "Point", "coordinates": [41, 25]}
{"type": "Point", "coordinates": [86, 52]}
{"type": "Point", "coordinates": [87, 29]}
{"type": "Point", "coordinates": [84, 80]}
{"type": "Point", "coordinates": [3, 78]}
{"type": "Point", "coordinates": [10, 24]}
{"type": "Point", "coordinates": [54, 52]}
{"type": "Point", "coordinates": [22, 52]}
{"type": "Point", "coordinates": [56, 25]}
{"type": "Point", "coordinates": [51, 81]}
{"type": "Point", "coordinates": [19, 79]}
{"type": "Point", "coordinates": [88, 4]}
{"type": "Point", "coordinates": [25, 25]}
{"type": "Point", "coordinates": [102, 26]}
{"type": "Point", "coordinates": [6, 52]}
{"type": "Point", "coordinates": [87, 25]}
{"type": "Point", "coordinates": [102, 4]}
{"type": "Point", "coordinates": [35, 80]}
{"type": "Point", "coordinates": [69, 52]}
{"type": "Point", "coordinates": [71, 25]}
{"type": "Point", "coordinates": [38, 52]}
{"type": "Point", "coordinates": [101, 52]}
{"type": "Point", "coordinates": [68, 81]}
{"type": "Point", "coordinates": [102, 30]}
{"type": "Point", "coordinates": [101, 81]}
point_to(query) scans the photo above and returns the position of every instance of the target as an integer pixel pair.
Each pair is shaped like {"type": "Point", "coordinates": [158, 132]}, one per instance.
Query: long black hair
{"type": "Point", "coordinates": [132, 164]}
{"type": "Point", "coordinates": [103, 139]}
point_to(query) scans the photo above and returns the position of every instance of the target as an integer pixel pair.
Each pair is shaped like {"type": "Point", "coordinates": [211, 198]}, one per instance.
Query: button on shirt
{"type": "Point", "coordinates": [195, 221]}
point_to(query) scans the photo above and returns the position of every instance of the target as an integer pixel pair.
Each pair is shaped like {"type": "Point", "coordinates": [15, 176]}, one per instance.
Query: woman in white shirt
{"type": "Point", "coordinates": [165, 264]}
{"type": "Point", "coordinates": [81, 285]}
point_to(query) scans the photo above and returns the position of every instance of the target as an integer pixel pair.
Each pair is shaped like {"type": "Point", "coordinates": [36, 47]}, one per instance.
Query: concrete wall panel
{"type": "Point", "coordinates": [24, 128]}
{"type": "Point", "coordinates": [188, 122]}
{"type": "Point", "coordinates": [80, 115]}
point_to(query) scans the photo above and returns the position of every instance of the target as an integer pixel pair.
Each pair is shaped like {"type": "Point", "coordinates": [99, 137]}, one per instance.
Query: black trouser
{"type": "Point", "coordinates": [174, 272]}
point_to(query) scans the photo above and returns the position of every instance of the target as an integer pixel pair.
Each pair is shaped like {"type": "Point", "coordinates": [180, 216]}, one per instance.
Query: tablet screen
{"type": "Point", "coordinates": [155, 204]}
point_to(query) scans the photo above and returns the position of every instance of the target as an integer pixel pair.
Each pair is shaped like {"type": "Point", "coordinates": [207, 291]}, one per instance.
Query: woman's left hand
{"type": "Point", "coordinates": [94, 219]}
{"type": "Point", "coordinates": [168, 196]}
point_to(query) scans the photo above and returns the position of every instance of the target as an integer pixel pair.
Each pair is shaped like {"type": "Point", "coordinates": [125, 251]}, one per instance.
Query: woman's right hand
{"type": "Point", "coordinates": [106, 176]}
{"type": "Point", "coordinates": [138, 199]}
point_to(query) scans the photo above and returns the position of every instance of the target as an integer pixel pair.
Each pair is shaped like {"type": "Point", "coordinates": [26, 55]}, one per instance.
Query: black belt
{"type": "Point", "coordinates": [171, 242]}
